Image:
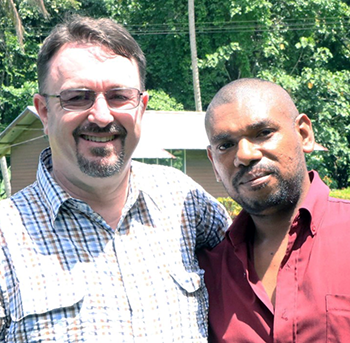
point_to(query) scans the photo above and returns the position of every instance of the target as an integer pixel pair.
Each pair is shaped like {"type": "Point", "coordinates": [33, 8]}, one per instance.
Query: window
{"type": "Point", "coordinates": [179, 162]}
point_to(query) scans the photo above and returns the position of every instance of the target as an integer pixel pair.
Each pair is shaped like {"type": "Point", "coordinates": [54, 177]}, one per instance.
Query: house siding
{"type": "Point", "coordinates": [25, 150]}
{"type": "Point", "coordinates": [25, 157]}
{"type": "Point", "coordinates": [199, 168]}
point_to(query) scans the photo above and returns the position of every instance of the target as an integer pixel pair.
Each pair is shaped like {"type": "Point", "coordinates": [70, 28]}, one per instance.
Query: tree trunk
{"type": "Point", "coordinates": [196, 87]}
{"type": "Point", "coordinates": [5, 176]}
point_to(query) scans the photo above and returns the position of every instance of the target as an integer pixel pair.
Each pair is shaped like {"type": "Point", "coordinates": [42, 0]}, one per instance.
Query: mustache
{"type": "Point", "coordinates": [111, 128]}
{"type": "Point", "coordinates": [255, 170]}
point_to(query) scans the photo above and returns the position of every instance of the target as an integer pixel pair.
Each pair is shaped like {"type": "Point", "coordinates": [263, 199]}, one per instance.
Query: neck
{"type": "Point", "coordinates": [270, 244]}
{"type": "Point", "coordinates": [276, 221]}
{"type": "Point", "coordinates": [273, 226]}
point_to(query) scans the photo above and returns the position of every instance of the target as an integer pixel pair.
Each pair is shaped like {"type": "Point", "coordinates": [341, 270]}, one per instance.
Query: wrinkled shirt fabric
{"type": "Point", "coordinates": [66, 276]}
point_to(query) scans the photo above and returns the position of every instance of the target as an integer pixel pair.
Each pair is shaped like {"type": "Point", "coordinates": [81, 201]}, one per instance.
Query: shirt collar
{"type": "Point", "coordinates": [139, 184]}
{"type": "Point", "coordinates": [315, 201]}
{"type": "Point", "coordinates": [239, 229]}
{"type": "Point", "coordinates": [313, 205]}
{"type": "Point", "coordinates": [54, 196]}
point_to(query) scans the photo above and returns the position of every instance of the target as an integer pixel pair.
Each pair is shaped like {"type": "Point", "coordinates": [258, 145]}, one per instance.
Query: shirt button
{"type": "Point", "coordinates": [284, 315]}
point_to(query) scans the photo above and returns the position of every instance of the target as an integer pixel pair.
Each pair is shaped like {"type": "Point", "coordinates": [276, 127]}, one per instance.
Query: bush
{"type": "Point", "coordinates": [231, 206]}
{"type": "Point", "coordinates": [341, 193]}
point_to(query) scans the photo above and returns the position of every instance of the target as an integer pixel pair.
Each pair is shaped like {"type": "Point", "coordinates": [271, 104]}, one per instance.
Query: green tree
{"type": "Point", "coordinates": [18, 59]}
{"type": "Point", "coordinates": [10, 10]}
{"type": "Point", "coordinates": [301, 44]}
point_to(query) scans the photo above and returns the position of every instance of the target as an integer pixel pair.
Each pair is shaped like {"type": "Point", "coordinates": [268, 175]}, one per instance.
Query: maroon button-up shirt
{"type": "Point", "coordinates": [313, 284]}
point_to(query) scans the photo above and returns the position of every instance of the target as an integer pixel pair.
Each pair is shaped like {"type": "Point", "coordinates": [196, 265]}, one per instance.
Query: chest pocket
{"type": "Point", "coordinates": [45, 305]}
{"type": "Point", "coordinates": [338, 318]}
{"type": "Point", "coordinates": [45, 291]}
{"type": "Point", "coordinates": [39, 283]}
{"type": "Point", "coordinates": [189, 282]}
{"type": "Point", "coordinates": [192, 288]}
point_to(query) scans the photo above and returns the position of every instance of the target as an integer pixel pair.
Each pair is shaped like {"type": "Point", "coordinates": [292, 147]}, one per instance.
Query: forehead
{"type": "Point", "coordinates": [240, 117]}
{"type": "Point", "coordinates": [92, 62]}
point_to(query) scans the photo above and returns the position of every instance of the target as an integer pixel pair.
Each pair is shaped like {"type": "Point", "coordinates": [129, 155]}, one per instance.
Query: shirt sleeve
{"type": "Point", "coordinates": [212, 220]}
{"type": "Point", "coordinates": [5, 222]}
{"type": "Point", "coordinates": [3, 318]}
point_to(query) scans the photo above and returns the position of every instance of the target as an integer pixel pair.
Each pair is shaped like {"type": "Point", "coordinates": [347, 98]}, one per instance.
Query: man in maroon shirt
{"type": "Point", "coordinates": [282, 274]}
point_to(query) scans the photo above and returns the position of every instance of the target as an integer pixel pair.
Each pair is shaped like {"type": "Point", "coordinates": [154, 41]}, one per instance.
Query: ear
{"type": "Point", "coordinates": [304, 127]}
{"type": "Point", "coordinates": [210, 156]}
{"type": "Point", "coordinates": [144, 101]}
{"type": "Point", "coordinates": [41, 109]}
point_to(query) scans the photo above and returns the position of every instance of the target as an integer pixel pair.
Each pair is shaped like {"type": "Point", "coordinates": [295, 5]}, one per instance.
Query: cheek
{"type": "Point", "coordinates": [224, 165]}
{"type": "Point", "coordinates": [50, 126]}
{"type": "Point", "coordinates": [61, 128]}
{"type": "Point", "coordinates": [54, 127]}
{"type": "Point", "coordinates": [132, 123]}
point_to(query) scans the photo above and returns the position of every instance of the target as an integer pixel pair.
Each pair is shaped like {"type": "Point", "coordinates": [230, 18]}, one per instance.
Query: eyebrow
{"type": "Point", "coordinates": [226, 135]}
{"type": "Point", "coordinates": [220, 137]}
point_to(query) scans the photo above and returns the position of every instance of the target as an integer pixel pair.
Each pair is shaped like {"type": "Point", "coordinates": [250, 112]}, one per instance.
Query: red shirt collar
{"type": "Point", "coordinates": [313, 204]}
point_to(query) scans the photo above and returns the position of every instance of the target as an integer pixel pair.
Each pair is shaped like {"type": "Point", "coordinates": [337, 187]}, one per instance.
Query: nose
{"type": "Point", "coordinates": [247, 152]}
{"type": "Point", "coordinates": [100, 113]}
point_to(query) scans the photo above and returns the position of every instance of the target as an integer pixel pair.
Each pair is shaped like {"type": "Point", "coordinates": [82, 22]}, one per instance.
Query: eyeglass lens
{"type": "Point", "coordinates": [83, 99]}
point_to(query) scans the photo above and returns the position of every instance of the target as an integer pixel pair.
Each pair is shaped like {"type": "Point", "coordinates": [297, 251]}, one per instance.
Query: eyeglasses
{"type": "Point", "coordinates": [82, 99]}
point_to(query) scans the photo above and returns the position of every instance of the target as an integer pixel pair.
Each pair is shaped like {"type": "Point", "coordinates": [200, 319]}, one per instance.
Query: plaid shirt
{"type": "Point", "coordinates": [66, 276]}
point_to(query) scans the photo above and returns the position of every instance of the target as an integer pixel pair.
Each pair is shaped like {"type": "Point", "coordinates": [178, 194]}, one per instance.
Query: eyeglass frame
{"type": "Point", "coordinates": [94, 98]}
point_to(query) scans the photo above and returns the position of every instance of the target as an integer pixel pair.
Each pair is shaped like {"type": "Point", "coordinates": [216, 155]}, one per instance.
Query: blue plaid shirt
{"type": "Point", "coordinates": [66, 276]}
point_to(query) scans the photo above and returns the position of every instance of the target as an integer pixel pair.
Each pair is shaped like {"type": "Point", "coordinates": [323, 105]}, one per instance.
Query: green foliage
{"type": "Point", "coordinates": [341, 193]}
{"type": "Point", "coordinates": [324, 96]}
{"type": "Point", "coordinates": [178, 162]}
{"type": "Point", "coordinates": [302, 45]}
{"type": "Point", "coordinates": [2, 185]}
{"type": "Point", "coordinates": [18, 67]}
{"type": "Point", "coordinates": [160, 101]}
{"type": "Point", "coordinates": [2, 190]}
{"type": "Point", "coordinates": [231, 206]}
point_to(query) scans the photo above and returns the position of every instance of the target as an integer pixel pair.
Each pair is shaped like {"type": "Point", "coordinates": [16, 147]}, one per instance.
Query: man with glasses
{"type": "Point", "coordinates": [99, 248]}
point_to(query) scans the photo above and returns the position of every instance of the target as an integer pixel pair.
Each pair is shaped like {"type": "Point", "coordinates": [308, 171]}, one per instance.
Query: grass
{"type": "Point", "coordinates": [341, 193]}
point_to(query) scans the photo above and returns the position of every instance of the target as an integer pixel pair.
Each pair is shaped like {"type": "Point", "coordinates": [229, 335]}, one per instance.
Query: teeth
{"type": "Point", "coordinates": [98, 139]}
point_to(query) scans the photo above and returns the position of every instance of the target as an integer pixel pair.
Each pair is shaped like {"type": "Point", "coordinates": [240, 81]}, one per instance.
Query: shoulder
{"type": "Point", "coordinates": [170, 187]}
{"type": "Point", "coordinates": [7, 209]}
{"type": "Point", "coordinates": [339, 202]}
{"type": "Point", "coordinates": [339, 209]}
{"type": "Point", "coordinates": [24, 197]}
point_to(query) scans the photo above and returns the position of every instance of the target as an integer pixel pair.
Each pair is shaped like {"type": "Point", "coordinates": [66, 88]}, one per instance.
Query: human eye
{"type": "Point", "coordinates": [119, 95]}
{"type": "Point", "coordinates": [225, 146]}
{"type": "Point", "coordinates": [265, 133]}
{"type": "Point", "coordinates": [74, 99]}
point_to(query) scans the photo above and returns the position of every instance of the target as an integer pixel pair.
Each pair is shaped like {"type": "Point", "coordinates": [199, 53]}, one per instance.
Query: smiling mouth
{"type": "Point", "coordinates": [255, 179]}
{"type": "Point", "coordinates": [99, 139]}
